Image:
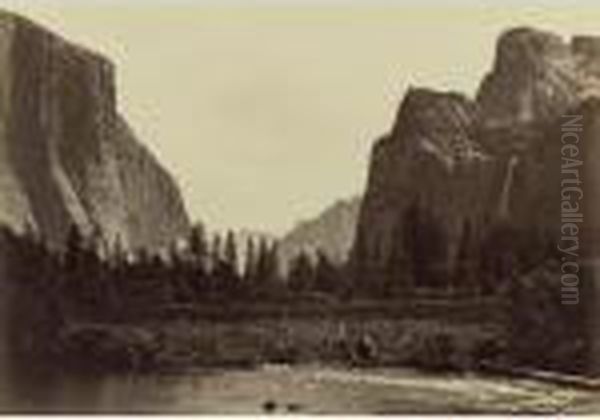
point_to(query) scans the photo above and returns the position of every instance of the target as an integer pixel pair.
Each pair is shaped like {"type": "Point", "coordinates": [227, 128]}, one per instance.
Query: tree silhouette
{"type": "Point", "coordinates": [466, 274]}
{"type": "Point", "coordinates": [498, 256]}
{"type": "Point", "coordinates": [399, 268]}
{"type": "Point", "coordinates": [262, 263]}
{"type": "Point", "coordinates": [216, 252]}
{"type": "Point", "coordinates": [267, 277]}
{"type": "Point", "coordinates": [230, 253]}
{"type": "Point", "coordinates": [326, 274]}
{"type": "Point", "coordinates": [426, 246]}
{"type": "Point", "coordinates": [230, 272]}
{"type": "Point", "coordinates": [74, 248]}
{"type": "Point", "coordinates": [197, 270]}
{"type": "Point", "coordinates": [273, 266]}
{"type": "Point", "coordinates": [198, 247]}
{"type": "Point", "coordinates": [359, 265]}
{"type": "Point", "coordinates": [34, 316]}
{"type": "Point", "coordinates": [301, 275]}
{"type": "Point", "coordinates": [250, 262]}
{"type": "Point", "coordinates": [83, 269]}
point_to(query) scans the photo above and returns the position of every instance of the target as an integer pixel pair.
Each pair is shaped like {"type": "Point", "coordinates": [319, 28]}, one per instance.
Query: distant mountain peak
{"type": "Point", "coordinates": [330, 232]}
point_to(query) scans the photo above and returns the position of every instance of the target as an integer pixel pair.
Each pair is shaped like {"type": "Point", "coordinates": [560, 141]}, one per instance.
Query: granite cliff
{"type": "Point", "coordinates": [67, 155]}
{"type": "Point", "coordinates": [471, 164]}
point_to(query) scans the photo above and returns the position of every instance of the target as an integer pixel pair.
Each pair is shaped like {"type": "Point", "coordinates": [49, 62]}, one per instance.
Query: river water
{"type": "Point", "coordinates": [281, 389]}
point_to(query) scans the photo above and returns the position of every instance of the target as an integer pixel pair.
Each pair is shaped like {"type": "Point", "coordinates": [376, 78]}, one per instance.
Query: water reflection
{"type": "Point", "coordinates": [278, 390]}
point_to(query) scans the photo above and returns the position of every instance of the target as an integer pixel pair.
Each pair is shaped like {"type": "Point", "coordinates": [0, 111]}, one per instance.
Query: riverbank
{"type": "Point", "coordinates": [376, 342]}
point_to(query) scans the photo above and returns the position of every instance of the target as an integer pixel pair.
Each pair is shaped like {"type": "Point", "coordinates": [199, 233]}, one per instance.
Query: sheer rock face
{"type": "Point", "coordinates": [537, 75]}
{"type": "Point", "coordinates": [66, 155]}
{"type": "Point", "coordinates": [495, 158]}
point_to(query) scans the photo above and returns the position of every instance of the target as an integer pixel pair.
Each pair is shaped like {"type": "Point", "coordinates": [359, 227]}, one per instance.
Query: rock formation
{"type": "Point", "coordinates": [331, 232]}
{"type": "Point", "coordinates": [66, 154]}
{"type": "Point", "coordinates": [480, 162]}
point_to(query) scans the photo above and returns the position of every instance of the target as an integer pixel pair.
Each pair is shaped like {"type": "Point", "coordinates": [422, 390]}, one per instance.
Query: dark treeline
{"type": "Point", "coordinates": [482, 258]}
{"type": "Point", "coordinates": [96, 279]}
{"type": "Point", "coordinates": [87, 279]}
{"type": "Point", "coordinates": [518, 266]}
{"type": "Point", "coordinates": [84, 280]}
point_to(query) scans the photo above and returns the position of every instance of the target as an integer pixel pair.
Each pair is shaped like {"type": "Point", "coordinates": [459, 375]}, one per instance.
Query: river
{"type": "Point", "coordinates": [281, 389]}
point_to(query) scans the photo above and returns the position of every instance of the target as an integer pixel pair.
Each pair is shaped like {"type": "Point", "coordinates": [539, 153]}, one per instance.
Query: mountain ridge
{"type": "Point", "coordinates": [480, 162]}
{"type": "Point", "coordinates": [330, 232]}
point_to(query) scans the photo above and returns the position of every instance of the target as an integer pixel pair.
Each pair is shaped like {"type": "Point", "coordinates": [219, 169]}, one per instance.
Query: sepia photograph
{"type": "Point", "coordinates": [299, 207]}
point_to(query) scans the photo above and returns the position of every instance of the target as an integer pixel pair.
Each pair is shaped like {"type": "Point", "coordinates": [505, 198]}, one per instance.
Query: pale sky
{"type": "Point", "coordinates": [266, 114]}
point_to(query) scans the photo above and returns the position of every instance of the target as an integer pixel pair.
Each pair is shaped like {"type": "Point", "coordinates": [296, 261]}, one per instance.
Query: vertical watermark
{"type": "Point", "coordinates": [571, 215]}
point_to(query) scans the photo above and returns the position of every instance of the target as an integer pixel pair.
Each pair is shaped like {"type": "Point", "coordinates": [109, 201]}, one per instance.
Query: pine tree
{"type": "Point", "coordinates": [466, 267]}
{"type": "Point", "coordinates": [378, 264]}
{"type": "Point", "coordinates": [83, 269]}
{"type": "Point", "coordinates": [398, 268]}
{"type": "Point", "coordinates": [263, 265]}
{"type": "Point", "coordinates": [198, 247]}
{"type": "Point", "coordinates": [34, 318]}
{"type": "Point", "coordinates": [74, 248]}
{"type": "Point", "coordinates": [274, 267]}
{"type": "Point", "coordinates": [197, 261]}
{"type": "Point", "coordinates": [115, 268]}
{"type": "Point", "coordinates": [250, 262]}
{"type": "Point", "coordinates": [230, 253]}
{"type": "Point", "coordinates": [359, 265]}
{"type": "Point", "coordinates": [498, 256]}
{"type": "Point", "coordinates": [97, 243]}
{"type": "Point", "coordinates": [426, 247]}
{"type": "Point", "coordinates": [216, 255]}
{"type": "Point", "coordinates": [228, 272]}
{"type": "Point", "coordinates": [117, 255]}
{"type": "Point", "coordinates": [301, 276]}
{"type": "Point", "coordinates": [326, 274]}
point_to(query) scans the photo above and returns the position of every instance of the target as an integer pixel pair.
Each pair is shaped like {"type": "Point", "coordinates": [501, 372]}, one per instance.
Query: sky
{"type": "Point", "coordinates": [265, 112]}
